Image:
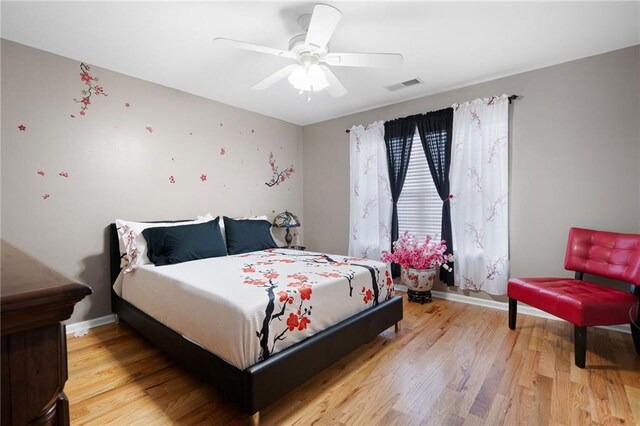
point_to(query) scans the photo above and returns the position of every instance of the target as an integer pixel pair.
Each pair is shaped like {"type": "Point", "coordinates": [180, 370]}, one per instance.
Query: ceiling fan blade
{"type": "Point", "coordinates": [255, 47]}
{"type": "Point", "coordinates": [335, 88]}
{"type": "Point", "coordinates": [324, 21]}
{"type": "Point", "coordinates": [366, 60]}
{"type": "Point", "coordinates": [274, 78]}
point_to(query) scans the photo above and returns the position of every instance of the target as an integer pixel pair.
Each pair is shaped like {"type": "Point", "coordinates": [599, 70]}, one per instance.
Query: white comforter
{"type": "Point", "coordinates": [246, 307]}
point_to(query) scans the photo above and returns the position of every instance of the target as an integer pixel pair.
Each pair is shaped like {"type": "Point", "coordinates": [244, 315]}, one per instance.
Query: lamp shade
{"type": "Point", "coordinates": [286, 220]}
{"type": "Point", "coordinates": [308, 79]}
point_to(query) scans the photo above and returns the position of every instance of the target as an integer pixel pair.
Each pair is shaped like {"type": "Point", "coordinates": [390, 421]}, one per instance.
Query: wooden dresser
{"type": "Point", "coordinates": [35, 299]}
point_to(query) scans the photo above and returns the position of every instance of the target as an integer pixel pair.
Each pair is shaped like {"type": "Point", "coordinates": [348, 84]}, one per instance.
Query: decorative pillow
{"type": "Point", "coordinates": [133, 247]}
{"type": "Point", "coordinates": [247, 235]}
{"type": "Point", "coordinates": [167, 245]}
{"type": "Point", "coordinates": [224, 236]}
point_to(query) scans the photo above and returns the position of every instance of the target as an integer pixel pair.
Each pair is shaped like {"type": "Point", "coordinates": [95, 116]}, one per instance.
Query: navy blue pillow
{"type": "Point", "coordinates": [245, 235]}
{"type": "Point", "coordinates": [168, 245]}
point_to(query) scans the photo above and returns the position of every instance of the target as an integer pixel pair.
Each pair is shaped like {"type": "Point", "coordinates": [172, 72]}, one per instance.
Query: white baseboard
{"type": "Point", "coordinates": [81, 328]}
{"type": "Point", "coordinates": [503, 306]}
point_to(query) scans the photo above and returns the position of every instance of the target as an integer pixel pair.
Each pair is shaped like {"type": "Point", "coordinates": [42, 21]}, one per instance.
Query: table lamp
{"type": "Point", "coordinates": [286, 220]}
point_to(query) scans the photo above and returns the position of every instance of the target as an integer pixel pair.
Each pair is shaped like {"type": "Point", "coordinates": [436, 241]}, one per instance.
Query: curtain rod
{"type": "Point", "coordinates": [511, 99]}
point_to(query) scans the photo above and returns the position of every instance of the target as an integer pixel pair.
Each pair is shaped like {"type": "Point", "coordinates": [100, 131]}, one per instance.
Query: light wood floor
{"type": "Point", "coordinates": [451, 364]}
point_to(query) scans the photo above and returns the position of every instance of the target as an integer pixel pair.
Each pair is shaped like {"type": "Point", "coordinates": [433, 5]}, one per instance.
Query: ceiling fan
{"type": "Point", "coordinates": [310, 51]}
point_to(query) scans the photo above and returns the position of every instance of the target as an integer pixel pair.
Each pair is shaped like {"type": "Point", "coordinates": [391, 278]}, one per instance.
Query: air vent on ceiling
{"type": "Point", "coordinates": [404, 84]}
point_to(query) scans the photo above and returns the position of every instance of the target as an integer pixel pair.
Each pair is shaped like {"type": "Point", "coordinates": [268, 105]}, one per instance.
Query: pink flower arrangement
{"type": "Point", "coordinates": [408, 252]}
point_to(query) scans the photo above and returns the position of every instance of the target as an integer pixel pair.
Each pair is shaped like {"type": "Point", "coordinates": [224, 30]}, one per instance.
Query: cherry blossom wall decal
{"type": "Point", "coordinates": [203, 177]}
{"type": "Point", "coordinates": [45, 196]}
{"type": "Point", "coordinates": [92, 88]}
{"type": "Point", "coordinates": [149, 129]}
{"type": "Point", "coordinates": [277, 176]}
{"type": "Point", "coordinates": [127, 104]}
{"type": "Point", "coordinates": [172, 179]}
{"type": "Point", "coordinates": [40, 173]}
{"type": "Point", "coordinates": [223, 151]}
{"type": "Point", "coordinates": [22, 127]}
{"type": "Point", "coordinates": [63, 174]}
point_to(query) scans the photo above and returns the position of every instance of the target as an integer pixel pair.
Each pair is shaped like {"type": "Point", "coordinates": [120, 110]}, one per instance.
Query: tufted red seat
{"type": "Point", "coordinates": [580, 302]}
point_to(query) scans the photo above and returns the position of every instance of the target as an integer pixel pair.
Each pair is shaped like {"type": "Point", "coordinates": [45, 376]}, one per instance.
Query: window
{"type": "Point", "coordinates": [419, 205]}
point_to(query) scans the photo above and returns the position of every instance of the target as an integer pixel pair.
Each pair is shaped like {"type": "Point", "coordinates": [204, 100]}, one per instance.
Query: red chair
{"type": "Point", "coordinates": [583, 303]}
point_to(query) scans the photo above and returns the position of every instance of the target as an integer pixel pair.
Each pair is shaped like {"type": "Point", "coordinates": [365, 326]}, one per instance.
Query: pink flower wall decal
{"type": "Point", "coordinates": [277, 176]}
{"type": "Point", "coordinates": [221, 124]}
{"type": "Point", "coordinates": [253, 131]}
{"type": "Point", "coordinates": [149, 128]}
{"type": "Point", "coordinates": [223, 151]}
{"type": "Point", "coordinates": [45, 196]}
{"type": "Point", "coordinates": [203, 177]}
{"type": "Point", "coordinates": [172, 179]}
{"type": "Point", "coordinates": [40, 173]}
{"type": "Point", "coordinates": [22, 127]}
{"type": "Point", "coordinates": [63, 174]}
{"type": "Point", "coordinates": [92, 88]}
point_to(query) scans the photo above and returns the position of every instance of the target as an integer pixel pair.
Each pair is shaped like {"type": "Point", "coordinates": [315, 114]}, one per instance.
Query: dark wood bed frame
{"type": "Point", "coordinates": [260, 384]}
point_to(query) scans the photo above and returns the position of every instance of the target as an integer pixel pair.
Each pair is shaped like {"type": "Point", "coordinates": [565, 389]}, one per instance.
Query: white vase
{"type": "Point", "coordinates": [419, 283]}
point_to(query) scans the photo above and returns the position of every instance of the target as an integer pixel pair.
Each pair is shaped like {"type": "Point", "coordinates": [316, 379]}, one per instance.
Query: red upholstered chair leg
{"type": "Point", "coordinates": [513, 313]}
{"type": "Point", "coordinates": [580, 345]}
{"type": "Point", "coordinates": [635, 331]}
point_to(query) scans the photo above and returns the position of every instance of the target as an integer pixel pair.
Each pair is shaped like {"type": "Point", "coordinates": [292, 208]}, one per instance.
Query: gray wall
{"type": "Point", "coordinates": [574, 158]}
{"type": "Point", "coordinates": [118, 169]}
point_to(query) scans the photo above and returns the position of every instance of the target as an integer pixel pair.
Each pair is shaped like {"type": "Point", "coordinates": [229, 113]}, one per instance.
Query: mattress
{"type": "Point", "coordinates": [244, 308]}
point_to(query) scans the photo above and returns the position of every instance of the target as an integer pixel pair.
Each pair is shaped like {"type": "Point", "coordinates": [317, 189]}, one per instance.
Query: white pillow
{"type": "Point", "coordinates": [133, 247]}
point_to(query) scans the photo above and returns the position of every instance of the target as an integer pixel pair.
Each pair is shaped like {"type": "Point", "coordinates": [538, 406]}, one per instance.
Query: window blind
{"type": "Point", "coordinates": [419, 205]}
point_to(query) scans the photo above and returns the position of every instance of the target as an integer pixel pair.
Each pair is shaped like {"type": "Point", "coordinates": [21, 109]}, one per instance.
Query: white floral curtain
{"type": "Point", "coordinates": [480, 189]}
{"type": "Point", "coordinates": [371, 205]}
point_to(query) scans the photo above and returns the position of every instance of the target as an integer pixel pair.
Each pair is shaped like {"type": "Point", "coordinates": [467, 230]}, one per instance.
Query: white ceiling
{"type": "Point", "coordinates": [446, 45]}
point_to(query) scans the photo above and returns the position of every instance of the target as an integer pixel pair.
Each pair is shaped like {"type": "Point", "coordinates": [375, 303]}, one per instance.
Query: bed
{"type": "Point", "coordinates": [274, 355]}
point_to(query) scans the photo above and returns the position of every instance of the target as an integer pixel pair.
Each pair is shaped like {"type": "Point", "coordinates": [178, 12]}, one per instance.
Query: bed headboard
{"type": "Point", "coordinates": [114, 253]}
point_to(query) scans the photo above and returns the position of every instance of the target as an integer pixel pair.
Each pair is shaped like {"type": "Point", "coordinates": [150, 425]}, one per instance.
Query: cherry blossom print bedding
{"type": "Point", "coordinates": [244, 308]}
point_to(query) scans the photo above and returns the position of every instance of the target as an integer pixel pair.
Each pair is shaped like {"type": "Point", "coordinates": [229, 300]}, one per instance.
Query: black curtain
{"type": "Point", "coordinates": [398, 138]}
{"type": "Point", "coordinates": [435, 130]}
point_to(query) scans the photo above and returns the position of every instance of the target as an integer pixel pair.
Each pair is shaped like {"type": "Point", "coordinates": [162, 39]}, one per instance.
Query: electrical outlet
{"type": "Point", "coordinates": [81, 332]}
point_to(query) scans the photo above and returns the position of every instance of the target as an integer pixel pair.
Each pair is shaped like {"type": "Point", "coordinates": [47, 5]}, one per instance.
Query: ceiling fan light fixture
{"type": "Point", "coordinates": [311, 71]}
{"type": "Point", "coordinates": [309, 79]}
